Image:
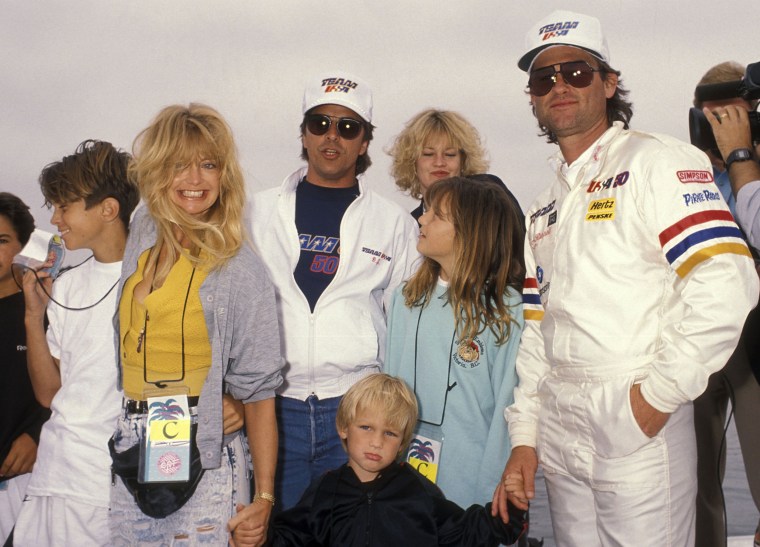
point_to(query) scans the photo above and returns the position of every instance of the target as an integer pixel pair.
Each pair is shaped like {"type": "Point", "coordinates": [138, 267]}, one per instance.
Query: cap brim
{"type": "Point", "coordinates": [526, 61]}
{"type": "Point", "coordinates": [351, 106]}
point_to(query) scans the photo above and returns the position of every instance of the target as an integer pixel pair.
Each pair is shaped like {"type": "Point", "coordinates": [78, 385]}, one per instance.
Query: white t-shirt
{"type": "Point", "coordinates": [72, 458]}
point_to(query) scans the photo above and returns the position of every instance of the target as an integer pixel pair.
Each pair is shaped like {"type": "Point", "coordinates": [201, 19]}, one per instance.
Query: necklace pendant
{"type": "Point", "coordinates": [140, 339]}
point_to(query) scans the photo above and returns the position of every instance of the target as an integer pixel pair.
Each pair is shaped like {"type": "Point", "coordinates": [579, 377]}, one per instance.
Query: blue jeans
{"type": "Point", "coordinates": [309, 445]}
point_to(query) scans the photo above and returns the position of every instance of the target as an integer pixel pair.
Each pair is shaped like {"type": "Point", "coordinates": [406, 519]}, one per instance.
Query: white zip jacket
{"type": "Point", "coordinates": [634, 264]}
{"type": "Point", "coordinates": [328, 350]}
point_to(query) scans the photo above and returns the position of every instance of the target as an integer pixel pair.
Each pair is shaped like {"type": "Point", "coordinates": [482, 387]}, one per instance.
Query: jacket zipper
{"type": "Point", "coordinates": [368, 537]}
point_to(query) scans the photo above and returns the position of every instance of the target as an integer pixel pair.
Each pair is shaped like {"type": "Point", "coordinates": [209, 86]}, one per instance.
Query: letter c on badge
{"type": "Point", "coordinates": [166, 433]}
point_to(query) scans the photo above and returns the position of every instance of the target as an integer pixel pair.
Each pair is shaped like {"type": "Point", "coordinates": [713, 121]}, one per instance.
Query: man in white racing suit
{"type": "Point", "coordinates": [626, 304]}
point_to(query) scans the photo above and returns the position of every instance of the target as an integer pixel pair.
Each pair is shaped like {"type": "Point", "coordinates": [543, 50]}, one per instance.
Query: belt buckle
{"type": "Point", "coordinates": [136, 407]}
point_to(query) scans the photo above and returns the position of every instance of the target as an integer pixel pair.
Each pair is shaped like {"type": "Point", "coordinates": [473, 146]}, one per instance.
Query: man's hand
{"type": "Point", "coordinates": [21, 457]}
{"type": "Point", "coordinates": [249, 527]}
{"type": "Point", "coordinates": [730, 126]}
{"type": "Point", "coordinates": [650, 420]}
{"type": "Point", "coordinates": [517, 482]}
{"type": "Point", "coordinates": [233, 414]}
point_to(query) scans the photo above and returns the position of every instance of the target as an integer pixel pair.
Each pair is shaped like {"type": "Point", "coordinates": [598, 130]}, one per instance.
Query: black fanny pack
{"type": "Point", "coordinates": [157, 500]}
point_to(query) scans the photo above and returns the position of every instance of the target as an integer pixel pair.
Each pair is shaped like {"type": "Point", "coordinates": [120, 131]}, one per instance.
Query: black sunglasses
{"type": "Point", "coordinates": [574, 73]}
{"type": "Point", "coordinates": [319, 124]}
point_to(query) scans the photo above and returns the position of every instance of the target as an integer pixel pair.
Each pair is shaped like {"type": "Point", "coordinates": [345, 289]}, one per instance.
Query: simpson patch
{"type": "Point", "coordinates": [695, 176]}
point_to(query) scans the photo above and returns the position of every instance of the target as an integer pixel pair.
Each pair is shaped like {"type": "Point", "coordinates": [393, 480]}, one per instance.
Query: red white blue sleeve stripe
{"type": "Point", "coordinates": [700, 236]}
{"type": "Point", "coordinates": [533, 310]}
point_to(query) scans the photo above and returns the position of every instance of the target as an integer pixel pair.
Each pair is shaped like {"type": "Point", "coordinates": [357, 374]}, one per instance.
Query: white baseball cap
{"type": "Point", "coordinates": [341, 88]}
{"type": "Point", "coordinates": [565, 28]}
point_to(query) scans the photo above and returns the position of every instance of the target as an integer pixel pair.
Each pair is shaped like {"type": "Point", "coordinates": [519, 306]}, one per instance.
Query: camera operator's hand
{"type": "Point", "coordinates": [730, 125]}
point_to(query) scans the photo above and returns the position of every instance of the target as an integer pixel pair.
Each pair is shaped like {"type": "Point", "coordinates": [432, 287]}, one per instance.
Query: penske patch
{"type": "Point", "coordinates": [601, 209]}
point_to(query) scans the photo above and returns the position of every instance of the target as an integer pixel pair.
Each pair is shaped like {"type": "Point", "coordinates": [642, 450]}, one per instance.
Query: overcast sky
{"type": "Point", "coordinates": [75, 70]}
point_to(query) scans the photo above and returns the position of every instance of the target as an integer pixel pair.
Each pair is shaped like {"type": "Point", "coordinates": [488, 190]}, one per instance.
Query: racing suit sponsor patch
{"type": "Point", "coordinates": [612, 182]}
{"type": "Point", "coordinates": [695, 176]}
{"type": "Point", "coordinates": [700, 197]}
{"type": "Point", "coordinates": [601, 209]}
{"type": "Point", "coordinates": [536, 239]}
{"type": "Point", "coordinates": [545, 210]}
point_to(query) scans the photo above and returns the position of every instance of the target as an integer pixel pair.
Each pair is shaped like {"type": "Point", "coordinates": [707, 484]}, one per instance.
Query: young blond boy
{"type": "Point", "coordinates": [72, 365]}
{"type": "Point", "coordinates": [374, 499]}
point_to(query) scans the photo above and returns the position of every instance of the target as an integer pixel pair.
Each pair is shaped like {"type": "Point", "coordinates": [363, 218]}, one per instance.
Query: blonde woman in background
{"type": "Point", "coordinates": [435, 145]}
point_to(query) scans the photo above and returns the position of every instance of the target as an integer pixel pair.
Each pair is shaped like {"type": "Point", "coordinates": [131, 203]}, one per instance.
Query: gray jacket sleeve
{"type": "Point", "coordinates": [253, 361]}
{"type": "Point", "coordinates": [748, 212]}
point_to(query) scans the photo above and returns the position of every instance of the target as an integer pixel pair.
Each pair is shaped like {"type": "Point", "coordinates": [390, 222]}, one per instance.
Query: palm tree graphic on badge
{"type": "Point", "coordinates": [422, 450]}
{"type": "Point", "coordinates": [165, 410]}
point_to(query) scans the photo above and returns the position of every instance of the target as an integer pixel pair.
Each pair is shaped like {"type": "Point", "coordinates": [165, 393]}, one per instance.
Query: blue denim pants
{"type": "Point", "coordinates": [309, 445]}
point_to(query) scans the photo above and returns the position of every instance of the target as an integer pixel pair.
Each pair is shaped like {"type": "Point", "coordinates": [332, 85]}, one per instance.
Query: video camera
{"type": "Point", "coordinates": [748, 88]}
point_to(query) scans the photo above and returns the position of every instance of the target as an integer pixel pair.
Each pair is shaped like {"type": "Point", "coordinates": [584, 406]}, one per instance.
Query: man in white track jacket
{"type": "Point", "coordinates": [335, 251]}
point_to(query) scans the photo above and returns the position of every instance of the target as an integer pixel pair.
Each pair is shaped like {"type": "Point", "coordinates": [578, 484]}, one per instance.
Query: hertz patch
{"type": "Point", "coordinates": [601, 209]}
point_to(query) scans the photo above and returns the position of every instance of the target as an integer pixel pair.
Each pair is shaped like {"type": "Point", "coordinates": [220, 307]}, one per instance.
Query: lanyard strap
{"type": "Point", "coordinates": [449, 386]}
{"type": "Point", "coordinates": [161, 384]}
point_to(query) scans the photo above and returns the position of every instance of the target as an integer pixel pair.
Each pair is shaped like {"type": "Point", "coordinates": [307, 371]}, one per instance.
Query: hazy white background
{"type": "Point", "coordinates": [95, 69]}
{"type": "Point", "coordinates": [72, 70]}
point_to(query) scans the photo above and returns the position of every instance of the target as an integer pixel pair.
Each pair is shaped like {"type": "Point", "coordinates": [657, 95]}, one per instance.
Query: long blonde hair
{"type": "Point", "coordinates": [408, 146]}
{"type": "Point", "coordinates": [488, 260]}
{"type": "Point", "coordinates": [178, 136]}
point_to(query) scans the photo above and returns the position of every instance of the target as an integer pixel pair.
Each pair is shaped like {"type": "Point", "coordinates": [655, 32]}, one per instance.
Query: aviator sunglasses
{"type": "Point", "coordinates": [319, 124]}
{"type": "Point", "coordinates": [574, 73]}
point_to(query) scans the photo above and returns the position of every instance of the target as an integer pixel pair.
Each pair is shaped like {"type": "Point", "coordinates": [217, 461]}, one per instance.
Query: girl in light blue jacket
{"type": "Point", "coordinates": [453, 334]}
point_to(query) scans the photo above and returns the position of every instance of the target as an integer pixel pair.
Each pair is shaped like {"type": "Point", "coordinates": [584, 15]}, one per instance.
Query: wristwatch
{"type": "Point", "coordinates": [740, 154]}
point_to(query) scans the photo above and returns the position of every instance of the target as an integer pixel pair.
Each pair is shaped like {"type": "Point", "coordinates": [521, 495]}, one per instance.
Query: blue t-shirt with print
{"type": "Point", "coordinates": [319, 212]}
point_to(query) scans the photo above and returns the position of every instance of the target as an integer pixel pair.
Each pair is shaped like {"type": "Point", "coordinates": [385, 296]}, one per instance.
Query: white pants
{"type": "Point", "coordinates": [608, 483]}
{"type": "Point", "coordinates": [49, 520]}
{"type": "Point", "coordinates": [12, 494]}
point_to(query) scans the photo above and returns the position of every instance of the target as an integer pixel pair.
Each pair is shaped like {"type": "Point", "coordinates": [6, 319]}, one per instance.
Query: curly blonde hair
{"type": "Point", "coordinates": [408, 146]}
{"type": "Point", "coordinates": [176, 137]}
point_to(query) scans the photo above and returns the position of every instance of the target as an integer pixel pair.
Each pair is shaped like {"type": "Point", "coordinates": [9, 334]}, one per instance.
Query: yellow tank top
{"type": "Point", "coordinates": [152, 332]}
